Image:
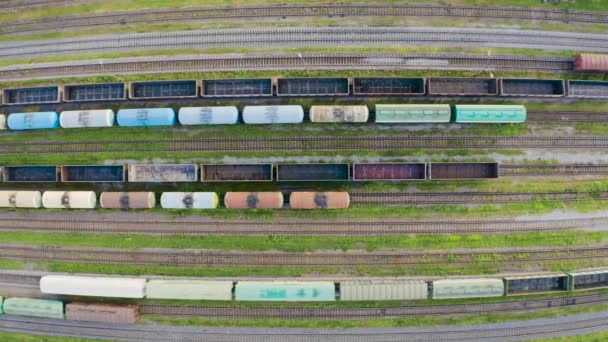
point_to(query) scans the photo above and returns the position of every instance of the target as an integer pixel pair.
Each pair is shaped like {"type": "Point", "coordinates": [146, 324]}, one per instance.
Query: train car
{"type": "Point", "coordinates": [33, 307]}
{"type": "Point", "coordinates": [23, 96]}
{"type": "Point", "coordinates": [69, 200]}
{"type": "Point", "coordinates": [94, 92]}
{"type": "Point", "coordinates": [339, 113]}
{"type": "Point", "coordinates": [319, 200]}
{"type": "Point", "coordinates": [588, 89]}
{"type": "Point", "coordinates": [145, 117]}
{"type": "Point", "coordinates": [127, 200]}
{"type": "Point", "coordinates": [102, 312]}
{"type": "Point", "coordinates": [413, 113]}
{"type": "Point", "coordinates": [313, 172]}
{"type": "Point", "coordinates": [330, 86]}
{"type": "Point", "coordinates": [115, 287]}
{"type": "Point", "coordinates": [536, 284]}
{"type": "Point", "coordinates": [163, 173]}
{"type": "Point", "coordinates": [163, 89]}
{"type": "Point", "coordinates": [532, 87]}
{"type": "Point", "coordinates": [20, 199]}
{"type": "Point", "coordinates": [591, 62]}
{"type": "Point", "coordinates": [237, 87]}
{"type": "Point", "coordinates": [86, 118]}
{"type": "Point", "coordinates": [467, 288]}
{"type": "Point", "coordinates": [2, 122]}
{"type": "Point", "coordinates": [463, 170]}
{"type": "Point", "coordinates": [490, 114]}
{"type": "Point", "coordinates": [388, 86]}
{"type": "Point", "coordinates": [189, 289]}
{"type": "Point", "coordinates": [288, 291]}
{"type": "Point", "coordinates": [287, 114]}
{"type": "Point", "coordinates": [389, 171]}
{"type": "Point", "coordinates": [226, 115]}
{"type": "Point", "coordinates": [250, 200]}
{"type": "Point", "coordinates": [365, 290]}
{"type": "Point", "coordinates": [189, 200]}
{"type": "Point", "coordinates": [588, 280]}
{"type": "Point", "coordinates": [236, 173]}
{"type": "Point", "coordinates": [30, 174]}
{"type": "Point", "coordinates": [34, 120]}
{"type": "Point", "coordinates": [93, 174]}
{"type": "Point", "coordinates": [462, 86]}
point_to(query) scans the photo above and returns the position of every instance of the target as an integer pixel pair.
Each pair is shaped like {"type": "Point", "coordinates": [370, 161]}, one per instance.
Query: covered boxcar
{"type": "Point", "coordinates": [2, 121]}
{"type": "Point", "coordinates": [127, 200]}
{"type": "Point", "coordinates": [248, 200]}
{"type": "Point", "coordinates": [30, 174]}
{"type": "Point", "coordinates": [116, 287]}
{"type": "Point", "coordinates": [87, 118]}
{"type": "Point", "coordinates": [20, 199]}
{"type": "Point", "coordinates": [339, 113]}
{"type": "Point", "coordinates": [236, 172]}
{"type": "Point", "coordinates": [163, 173]}
{"type": "Point", "coordinates": [102, 312]}
{"type": "Point", "coordinates": [287, 114]}
{"type": "Point", "coordinates": [319, 200]}
{"type": "Point", "coordinates": [146, 117]}
{"type": "Point", "coordinates": [412, 113]}
{"type": "Point", "coordinates": [288, 291]}
{"type": "Point", "coordinates": [33, 307]}
{"type": "Point", "coordinates": [362, 290]}
{"type": "Point", "coordinates": [490, 114]}
{"type": "Point", "coordinates": [189, 200]}
{"type": "Point", "coordinates": [35, 120]}
{"type": "Point", "coordinates": [467, 288]}
{"type": "Point", "coordinates": [536, 284]}
{"type": "Point", "coordinates": [389, 171]}
{"type": "Point", "coordinates": [189, 289]}
{"type": "Point", "coordinates": [69, 199]}
{"type": "Point", "coordinates": [226, 115]}
{"type": "Point", "coordinates": [588, 280]}
{"type": "Point", "coordinates": [591, 62]}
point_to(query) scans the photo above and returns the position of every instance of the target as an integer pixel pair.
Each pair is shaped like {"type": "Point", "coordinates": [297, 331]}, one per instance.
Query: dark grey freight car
{"type": "Point", "coordinates": [236, 173]}
{"type": "Point", "coordinates": [163, 89]}
{"type": "Point", "coordinates": [312, 86]}
{"type": "Point", "coordinates": [536, 284]}
{"type": "Point", "coordinates": [463, 170]}
{"type": "Point", "coordinates": [237, 87]}
{"type": "Point", "coordinates": [389, 171]}
{"type": "Point", "coordinates": [532, 87]}
{"type": "Point", "coordinates": [388, 86]}
{"type": "Point", "coordinates": [588, 280]}
{"type": "Point", "coordinates": [93, 173]}
{"type": "Point", "coordinates": [94, 92]}
{"type": "Point", "coordinates": [313, 172]}
{"type": "Point", "coordinates": [30, 174]}
{"type": "Point", "coordinates": [588, 89]}
{"type": "Point", "coordinates": [31, 95]}
{"type": "Point", "coordinates": [462, 86]}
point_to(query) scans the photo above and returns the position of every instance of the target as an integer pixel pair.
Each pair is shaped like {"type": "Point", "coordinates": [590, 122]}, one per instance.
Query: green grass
{"type": "Point", "coordinates": [20, 337]}
{"type": "Point", "coordinates": [414, 321]}
{"type": "Point", "coordinates": [308, 243]}
{"type": "Point", "coordinates": [599, 336]}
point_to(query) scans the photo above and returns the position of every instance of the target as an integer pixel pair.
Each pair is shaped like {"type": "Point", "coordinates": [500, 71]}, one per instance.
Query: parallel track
{"type": "Point", "coordinates": [87, 21]}
{"type": "Point", "coordinates": [305, 36]}
{"type": "Point", "coordinates": [573, 117]}
{"type": "Point", "coordinates": [512, 170]}
{"type": "Point", "coordinates": [308, 143]}
{"type": "Point", "coordinates": [184, 257]}
{"type": "Point", "coordinates": [335, 61]}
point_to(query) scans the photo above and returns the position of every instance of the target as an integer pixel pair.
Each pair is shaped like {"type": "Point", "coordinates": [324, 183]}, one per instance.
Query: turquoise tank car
{"type": "Point", "coordinates": [146, 117]}
{"type": "Point", "coordinates": [34, 120]}
{"type": "Point", "coordinates": [490, 113]}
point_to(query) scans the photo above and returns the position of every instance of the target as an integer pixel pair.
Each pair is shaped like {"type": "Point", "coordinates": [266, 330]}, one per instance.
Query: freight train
{"type": "Point", "coordinates": [209, 173]}
{"type": "Point", "coordinates": [273, 290]}
{"type": "Point", "coordinates": [281, 114]}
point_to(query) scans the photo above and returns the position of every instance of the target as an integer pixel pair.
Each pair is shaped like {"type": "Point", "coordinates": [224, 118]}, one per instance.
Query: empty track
{"type": "Point", "coordinates": [305, 36]}
{"type": "Point", "coordinates": [510, 170]}
{"type": "Point", "coordinates": [87, 21]}
{"type": "Point", "coordinates": [562, 116]}
{"type": "Point", "coordinates": [306, 61]}
{"type": "Point", "coordinates": [197, 257]}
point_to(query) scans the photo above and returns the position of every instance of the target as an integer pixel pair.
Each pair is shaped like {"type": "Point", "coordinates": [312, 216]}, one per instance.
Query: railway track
{"type": "Point", "coordinates": [87, 21]}
{"type": "Point", "coordinates": [304, 36]}
{"type": "Point", "coordinates": [199, 258]}
{"type": "Point", "coordinates": [574, 117]}
{"type": "Point", "coordinates": [507, 170]}
{"type": "Point", "coordinates": [363, 61]}
{"type": "Point", "coordinates": [140, 224]}
{"type": "Point", "coordinates": [307, 143]}
{"type": "Point", "coordinates": [501, 332]}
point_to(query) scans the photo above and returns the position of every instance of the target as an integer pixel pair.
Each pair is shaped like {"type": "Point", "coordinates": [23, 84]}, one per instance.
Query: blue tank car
{"type": "Point", "coordinates": [34, 120]}
{"type": "Point", "coordinates": [146, 117]}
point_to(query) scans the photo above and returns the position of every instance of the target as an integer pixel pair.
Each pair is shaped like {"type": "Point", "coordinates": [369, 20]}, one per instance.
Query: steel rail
{"type": "Point", "coordinates": [305, 36]}
{"type": "Point", "coordinates": [315, 10]}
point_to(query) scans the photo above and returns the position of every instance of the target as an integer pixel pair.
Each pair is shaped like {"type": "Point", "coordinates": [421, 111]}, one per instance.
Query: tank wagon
{"type": "Point", "coordinates": [286, 114]}
{"type": "Point", "coordinates": [319, 200]}
{"type": "Point", "coordinates": [189, 200]}
{"type": "Point", "coordinates": [250, 200]}
{"type": "Point", "coordinates": [127, 200]}
{"type": "Point", "coordinates": [86, 118]}
{"type": "Point", "coordinates": [69, 199]}
{"type": "Point", "coordinates": [338, 114]}
{"type": "Point", "coordinates": [2, 121]}
{"type": "Point", "coordinates": [34, 120]}
{"type": "Point", "coordinates": [146, 117]}
{"type": "Point", "coordinates": [225, 115]}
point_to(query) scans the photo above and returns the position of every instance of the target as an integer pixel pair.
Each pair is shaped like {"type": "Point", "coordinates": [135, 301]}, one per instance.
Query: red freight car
{"type": "Point", "coordinates": [590, 62]}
